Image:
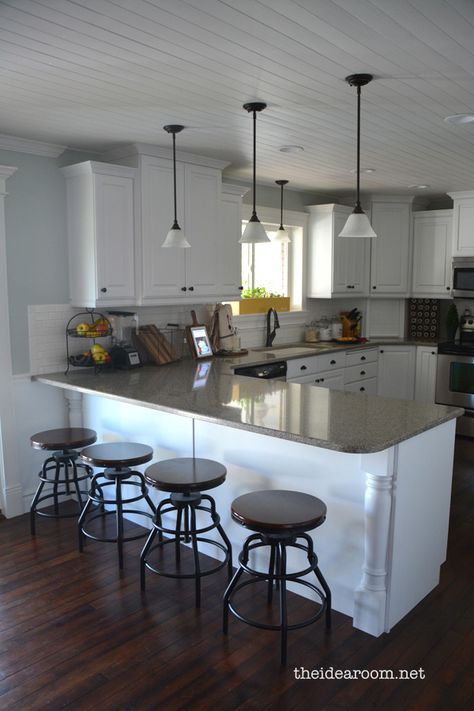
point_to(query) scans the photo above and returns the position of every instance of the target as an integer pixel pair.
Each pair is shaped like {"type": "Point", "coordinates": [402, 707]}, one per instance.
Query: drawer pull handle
{"type": "Point", "coordinates": [333, 362]}
{"type": "Point", "coordinates": [104, 290]}
{"type": "Point", "coordinates": [362, 357]}
{"type": "Point", "coordinates": [362, 372]}
{"type": "Point", "coordinates": [362, 389]}
{"type": "Point", "coordinates": [304, 367]}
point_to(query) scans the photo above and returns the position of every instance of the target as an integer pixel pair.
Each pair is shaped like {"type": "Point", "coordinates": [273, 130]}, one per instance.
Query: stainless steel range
{"type": "Point", "coordinates": [455, 381]}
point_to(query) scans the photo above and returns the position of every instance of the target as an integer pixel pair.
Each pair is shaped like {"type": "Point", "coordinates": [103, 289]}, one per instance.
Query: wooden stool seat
{"type": "Point", "coordinates": [278, 511]}
{"type": "Point", "coordinates": [117, 454]}
{"type": "Point", "coordinates": [64, 438]}
{"type": "Point", "coordinates": [117, 458]}
{"type": "Point", "coordinates": [185, 478]}
{"type": "Point", "coordinates": [281, 520]}
{"type": "Point", "coordinates": [61, 474]}
{"type": "Point", "coordinates": [186, 474]}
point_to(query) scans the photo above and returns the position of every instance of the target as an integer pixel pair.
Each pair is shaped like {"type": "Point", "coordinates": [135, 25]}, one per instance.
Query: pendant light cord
{"type": "Point", "coordinates": [174, 181]}
{"type": "Point", "coordinates": [254, 211]}
{"type": "Point", "coordinates": [358, 147]}
{"type": "Point", "coordinates": [281, 208]}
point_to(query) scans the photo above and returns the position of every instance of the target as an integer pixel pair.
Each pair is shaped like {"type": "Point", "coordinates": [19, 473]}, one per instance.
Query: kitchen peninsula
{"type": "Point", "coordinates": [382, 466]}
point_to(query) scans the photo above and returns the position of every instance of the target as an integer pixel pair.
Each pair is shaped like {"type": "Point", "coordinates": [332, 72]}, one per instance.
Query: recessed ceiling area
{"type": "Point", "coordinates": [93, 74]}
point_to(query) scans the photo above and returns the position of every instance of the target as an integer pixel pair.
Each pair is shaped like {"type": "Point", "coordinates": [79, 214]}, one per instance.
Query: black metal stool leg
{"type": "Point", "coordinates": [119, 519]}
{"type": "Point", "coordinates": [313, 560]}
{"type": "Point", "coordinates": [271, 573]}
{"type": "Point", "coordinates": [33, 508]}
{"type": "Point", "coordinates": [197, 567]}
{"type": "Point", "coordinates": [177, 540]}
{"type": "Point", "coordinates": [144, 554]}
{"type": "Point", "coordinates": [283, 610]}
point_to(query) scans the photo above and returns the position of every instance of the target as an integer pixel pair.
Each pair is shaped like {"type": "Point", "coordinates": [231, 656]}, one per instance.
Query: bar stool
{"type": "Point", "coordinates": [117, 458]}
{"type": "Point", "coordinates": [185, 478]}
{"type": "Point", "coordinates": [279, 518]}
{"type": "Point", "coordinates": [60, 469]}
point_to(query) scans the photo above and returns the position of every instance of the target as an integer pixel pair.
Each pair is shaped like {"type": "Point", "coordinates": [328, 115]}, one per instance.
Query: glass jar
{"type": "Point", "coordinates": [325, 331]}
{"type": "Point", "coordinates": [336, 327]}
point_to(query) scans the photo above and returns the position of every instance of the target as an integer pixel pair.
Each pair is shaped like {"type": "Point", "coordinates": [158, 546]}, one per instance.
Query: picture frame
{"type": "Point", "coordinates": [201, 343]}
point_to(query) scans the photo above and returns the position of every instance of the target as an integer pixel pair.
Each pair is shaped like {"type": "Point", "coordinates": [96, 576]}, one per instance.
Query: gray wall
{"type": "Point", "coordinates": [36, 244]}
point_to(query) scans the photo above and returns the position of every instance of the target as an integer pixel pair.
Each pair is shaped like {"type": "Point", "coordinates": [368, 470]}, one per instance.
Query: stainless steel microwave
{"type": "Point", "coordinates": [463, 277]}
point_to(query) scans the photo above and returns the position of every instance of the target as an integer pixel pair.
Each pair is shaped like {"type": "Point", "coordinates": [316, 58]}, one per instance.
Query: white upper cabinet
{"type": "Point", "coordinates": [463, 223]}
{"type": "Point", "coordinates": [337, 266]}
{"type": "Point", "coordinates": [167, 272]}
{"type": "Point", "coordinates": [229, 248]}
{"type": "Point", "coordinates": [100, 206]}
{"type": "Point", "coordinates": [390, 250]}
{"type": "Point", "coordinates": [432, 242]}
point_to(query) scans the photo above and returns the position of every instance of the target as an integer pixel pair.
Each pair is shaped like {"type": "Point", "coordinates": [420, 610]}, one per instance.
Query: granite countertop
{"type": "Point", "coordinates": [208, 390]}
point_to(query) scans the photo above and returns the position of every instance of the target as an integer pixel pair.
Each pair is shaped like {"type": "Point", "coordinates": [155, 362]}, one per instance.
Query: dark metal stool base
{"type": "Point", "coordinates": [100, 482]}
{"type": "Point", "coordinates": [185, 505]}
{"type": "Point", "coordinates": [277, 575]}
{"type": "Point", "coordinates": [64, 474]}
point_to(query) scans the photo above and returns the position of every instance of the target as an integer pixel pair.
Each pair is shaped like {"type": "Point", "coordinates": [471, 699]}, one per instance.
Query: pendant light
{"type": "Point", "coordinates": [357, 224]}
{"type": "Point", "coordinates": [175, 236]}
{"type": "Point", "coordinates": [254, 231]}
{"type": "Point", "coordinates": [281, 234]}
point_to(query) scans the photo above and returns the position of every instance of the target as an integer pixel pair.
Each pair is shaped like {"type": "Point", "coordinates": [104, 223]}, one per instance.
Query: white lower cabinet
{"type": "Point", "coordinates": [425, 377]}
{"type": "Point", "coordinates": [396, 372]}
{"type": "Point", "coordinates": [368, 386]}
{"type": "Point", "coordinates": [332, 379]}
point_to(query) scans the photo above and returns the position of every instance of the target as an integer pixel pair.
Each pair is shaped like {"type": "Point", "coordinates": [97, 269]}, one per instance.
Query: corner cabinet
{"type": "Point", "coordinates": [337, 266]}
{"type": "Point", "coordinates": [100, 207]}
{"type": "Point", "coordinates": [396, 372]}
{"type": "Point", "coordinates": [463, 223]}
{"type": "Point", "coordinates": [425, 377]}
{"type": "Point", "coordinates": [432, 249]}
{"type": "Point", "coordinates": [390, 250]}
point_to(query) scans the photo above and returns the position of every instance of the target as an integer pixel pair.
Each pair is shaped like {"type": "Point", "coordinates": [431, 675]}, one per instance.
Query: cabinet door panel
{"type": "Point", "coordinates": [396, 372]}
{"type": "Point", "coordinates": [432, 255]}
{"type": "Point", "coordinates": [425, 381]}
{"type": "Point", "coordinates": [229, 248]}
{"type": "Point", "coordinates": [202, 196]}
{"type": "Point", "coordinates": [114, 235]}
{"type": "Point", "coordinates": [163, 269]}
{"type": "Point", "coordinates": [389, 261]}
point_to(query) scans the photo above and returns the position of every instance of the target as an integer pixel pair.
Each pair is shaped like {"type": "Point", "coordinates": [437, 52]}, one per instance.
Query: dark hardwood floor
{"type": "Point", "coordinates": [77, 634]}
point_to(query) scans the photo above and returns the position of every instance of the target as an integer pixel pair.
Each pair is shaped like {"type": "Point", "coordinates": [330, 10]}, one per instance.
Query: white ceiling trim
{"type": "Point", "coordinates": [26, 145]}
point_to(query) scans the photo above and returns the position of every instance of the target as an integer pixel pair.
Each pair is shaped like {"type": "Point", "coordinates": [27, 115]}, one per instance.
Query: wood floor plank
{"type": "Point", "coordinates": [76, 633]}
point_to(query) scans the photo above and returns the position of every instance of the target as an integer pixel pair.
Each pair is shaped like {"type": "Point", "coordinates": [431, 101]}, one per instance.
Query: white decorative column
{"type": "Point", "coordinates": [74, 404]}
{"type": "Point", "coordinates": [11, 497]}
{"type": "Point", "coordinates": [370, 599]}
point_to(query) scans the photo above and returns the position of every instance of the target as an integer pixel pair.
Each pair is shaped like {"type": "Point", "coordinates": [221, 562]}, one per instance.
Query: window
{"type": "Point", "coordinates": [276, 267]}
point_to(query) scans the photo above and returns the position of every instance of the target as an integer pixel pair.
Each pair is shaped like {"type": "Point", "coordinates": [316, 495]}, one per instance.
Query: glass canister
{"type": "Point", "coordinates": [336, 327]}
{"type": "Point", "coordinates": [325, 331]}
{"type": "Point", "coordinates": [311, 332]}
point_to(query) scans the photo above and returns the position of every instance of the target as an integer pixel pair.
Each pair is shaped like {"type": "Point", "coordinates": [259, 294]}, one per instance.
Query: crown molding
{"type": "Point", "coordinates": [25, 145]}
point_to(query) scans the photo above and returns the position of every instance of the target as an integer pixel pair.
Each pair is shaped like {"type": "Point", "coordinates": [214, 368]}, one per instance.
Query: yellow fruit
{"type": "Point", "coordinates": [97, 348]}
{"type": "Point", "coordinates": [82, 328]}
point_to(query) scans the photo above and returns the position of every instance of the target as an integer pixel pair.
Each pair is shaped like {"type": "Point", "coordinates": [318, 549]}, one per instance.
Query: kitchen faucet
{"type": "Point", "coordinates": [276, 324]}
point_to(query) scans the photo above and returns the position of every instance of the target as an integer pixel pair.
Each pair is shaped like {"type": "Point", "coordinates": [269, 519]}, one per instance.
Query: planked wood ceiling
{"type": "Point", "coordinates": [91, 74]}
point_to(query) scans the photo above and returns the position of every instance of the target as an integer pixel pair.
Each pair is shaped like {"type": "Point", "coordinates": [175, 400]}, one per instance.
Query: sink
{"type": "Point", "coordinates": [285, 350]}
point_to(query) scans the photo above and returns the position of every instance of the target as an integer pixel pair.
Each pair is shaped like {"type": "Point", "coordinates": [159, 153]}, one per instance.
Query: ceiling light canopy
{"type": "Point", "coordinates": [254, 231]}
{"type": "Point", "coordinates": [281, 234]}
{"type": "Point", "coordinates": [460, 119]}
{"type": "Point", "coordinates": [175, 236]}
{"type": "Point", "coordinates": [357, 224]}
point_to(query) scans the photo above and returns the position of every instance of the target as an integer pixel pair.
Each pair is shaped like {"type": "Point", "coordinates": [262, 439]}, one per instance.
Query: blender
{"type": "Point", "coordinates": [124, 355]}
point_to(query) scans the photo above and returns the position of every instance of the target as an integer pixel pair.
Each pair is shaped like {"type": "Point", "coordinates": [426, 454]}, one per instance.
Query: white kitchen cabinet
{"type": "Point", "coordinates": [337, 266]}
{"type": "Point", "coordinates": [425, 374]}
{"type": "Point", "coordinates": [367, 386]}
{"type": "Point", "coordinates": [396, 372]}
{"type": "Point", "coordinates": [229, 248]}
{"type": "Point", "coordinates": [432, 253]}
{"type": "Point", "coordinates": [302, 367]}
{"type": "Point", "coordinates": [390, 250]}
{"type": "Point", "coordinates": [168, 274]}
{"type": "Point", "coordinates": [100, 207]}
{"type": "Point", "coordinates": [332, 379]}
{"type": "Point", "coordinates": [463, 223]}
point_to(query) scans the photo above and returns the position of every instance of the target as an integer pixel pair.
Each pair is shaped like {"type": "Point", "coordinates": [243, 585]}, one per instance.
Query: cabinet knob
{"type": "Point", "coordinates": [322, 380]}
{"type": "Point", "coordinates": [104, 290]}
{"type": "Point", "coordinates": [433, 352]}
{"type": "Point", "coordinates": [448, 288]}
{"type": "Point", "coordinates": [333, 362]}
{"type": "Point", "coordinates": [183, 288]}
{"type": "Point", "coordinates": [191, 288]}
{"type": "Point", "coordinates": [381, 351]}
{"type": "Point", "coordinates": [362, 389]}
{"type": "Point", "coordinates": [362, 372]}
{"type": "Point", "coordinates": [374, 287]}
{"type": "Point", "coordinates": [362, 357]}
{"type": "Point", "coordinates": [304, 367]}
{"type": "Point", "coordinates": [241, 288]}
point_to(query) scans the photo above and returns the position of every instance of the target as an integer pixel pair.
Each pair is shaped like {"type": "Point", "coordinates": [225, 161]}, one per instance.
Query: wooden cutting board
{"type": "Point", "coordinates": [157, 347]}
